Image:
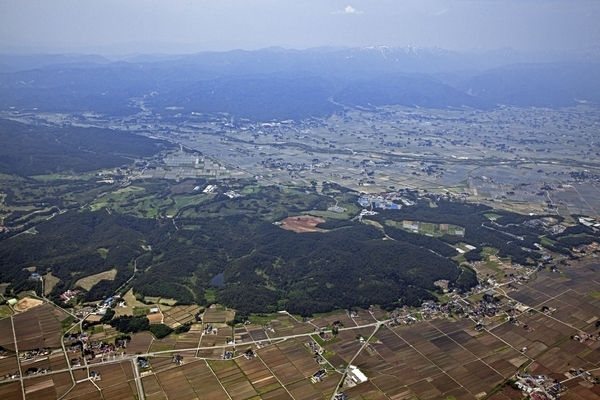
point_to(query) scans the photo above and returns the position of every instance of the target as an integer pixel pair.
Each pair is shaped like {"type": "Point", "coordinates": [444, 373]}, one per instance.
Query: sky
{"type": "Point", "coordinates": [188, 26]}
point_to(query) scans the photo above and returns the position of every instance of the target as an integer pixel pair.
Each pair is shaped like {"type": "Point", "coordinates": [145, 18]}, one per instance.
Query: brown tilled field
{"type": "Point", "coordinates": [8, 365]}
{"type": "Point", "coordinates": [37, 327]}
{"type": "Point", "coordinates": [302, 223]}
{"type": "Point", "coordinates": [140, 342]}
{"type": "Point", "coordinates": [180, 315]}
{"type": "Point", "coordinates": [277, 362]}
{"type": "Point", "coordinates": [11, 391]}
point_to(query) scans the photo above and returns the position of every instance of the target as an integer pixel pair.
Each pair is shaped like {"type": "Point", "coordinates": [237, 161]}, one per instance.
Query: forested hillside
{"type": "Point", "coordinates": [36, 149]}
{"type": "Point", "coordinates": [267, 268]}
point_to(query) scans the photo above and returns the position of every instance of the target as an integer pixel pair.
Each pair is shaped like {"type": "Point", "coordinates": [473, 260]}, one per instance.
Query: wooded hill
{"type": "Point", "coordinates": [35, 149]}
{"type": "Point", "coordinates": [267, 268]}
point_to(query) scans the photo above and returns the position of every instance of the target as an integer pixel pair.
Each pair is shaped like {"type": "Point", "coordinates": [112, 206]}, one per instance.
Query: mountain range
{"type": "Point", "coordinates": [276, 83]}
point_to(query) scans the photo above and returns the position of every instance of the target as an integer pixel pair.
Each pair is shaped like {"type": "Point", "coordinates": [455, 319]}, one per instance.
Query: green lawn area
{"type": "Point", "coordinates": [66, 323]}
{"type": "Point", "coordinates": [250, 190]}
{"type": "Point", "coordinates": [138, 311]}
{"type": "Point", "coordinates": [49, 177]}
{"type": "Point", "coordinates": [209, 295]}
{"type": "Point", "coordinates": [328, 214]}
{"type": "Point", "coordinates": [545, 241]}
{"type": "Point", "coordinates": [5, 311]}
{"type": "Point", "coordinates": [103, 252]}
{"type": "Point", "coordinates": [494, 266]}
{"type": "Point", "coordinates": [488, 251]}
{"type": "Point", "coordinates": [262, 319]}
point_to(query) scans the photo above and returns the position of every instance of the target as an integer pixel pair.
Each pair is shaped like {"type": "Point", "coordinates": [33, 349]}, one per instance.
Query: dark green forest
{"type": "Point", "coordinates": [34, 149]}
{"type": "Point", "coordinates": [265, 267]}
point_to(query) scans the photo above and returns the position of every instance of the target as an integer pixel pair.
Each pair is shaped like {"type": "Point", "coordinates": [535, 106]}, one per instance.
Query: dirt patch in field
{"type": "Point", "coordinates": [302, 223]}
{"type": "Point", "coordinates": [27, 303]}
{"type": "Point", "coordinates": [155, 318]}
{"type": "Point", "coordinates": [93, 318]}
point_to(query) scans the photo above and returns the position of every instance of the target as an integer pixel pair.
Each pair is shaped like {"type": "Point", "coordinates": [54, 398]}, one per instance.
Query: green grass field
{"type": "Point", "coordinates": [5, 311]}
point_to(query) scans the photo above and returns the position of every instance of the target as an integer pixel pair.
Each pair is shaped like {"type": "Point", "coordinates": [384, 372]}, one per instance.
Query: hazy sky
{"type": "Point", "coordinates": [176, 26]}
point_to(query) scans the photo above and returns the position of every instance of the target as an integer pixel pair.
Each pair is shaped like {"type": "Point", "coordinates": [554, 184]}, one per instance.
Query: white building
{"type": "Point", "coordinates": [356, 375]}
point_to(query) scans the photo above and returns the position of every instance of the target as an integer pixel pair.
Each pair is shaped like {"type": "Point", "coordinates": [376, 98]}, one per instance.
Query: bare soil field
{"type": "Point", "coordinates": [256, 333]}
{"type": "Point", "coordinates": [175, 384]}
{"type": "Point", "coordinates": [163, 344]}
{"type": "Point", "coordinates": [27, 303]}
{"type": "Point", "coordinates": [58, 361]}
{"type": "Point", "coordinates": [300, 357]}
{"type": "Point", "coordinates": [233, 379]}
{"type": "Point", "coordinates": [140, 343]}
{"type": "Point", "coordinates": [84, 390]}
{"type": "Point", "coordinates": [152, 388]}
{"type": "Point", "coordinates": [8, 365]}
{"type": "Point", "coordinates": [93, 318]}
{"type": "Point", "coordinates": [213, 354]}
{"type": "Point", "coordinates": [119, 391]}
{"type": "Point", "coordinates": [180, 315]}
{"type": "Point", "coordinates": [303, 390]}
{"type": "Point", "coordinates": [188, 340]}
{"type": "Point", "coordinates": [213, 314]}
{"type": "Point", "coordinates": [155, 318]}
{"type": "Point", "coordinates": [277, 362]}
{"type": "Point", "coordinates": [203, 381]}
{"type": "Point", "coordinates": [423, 361]}
{"type": "Point", "coordinates": [37, 327]}
{"type": "Point", "coordinates": [258, 374]}
{"type": "Point", "coordinates": [11, 391]}
{"type": "Point", "coordinates": [41, 387]}
{"type": "Point", "coordinates": [114, 380]}
{"type": "Point", "coordinates": [302, 223]}
{"type": "Point", "coordinates": [279, 394]}
{"type": "Point", "coordinates": [285, 325]}
{"type": "Point", "coordinates": [62, 383]}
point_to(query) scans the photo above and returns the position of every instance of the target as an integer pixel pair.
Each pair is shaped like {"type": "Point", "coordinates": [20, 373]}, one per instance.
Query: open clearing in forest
{"type": "Point", "coordinates": [49, 282]}
{"type": "Point", "coordinates": [302, 223]}
{"type": "Point", "coordinates": [89, 281]}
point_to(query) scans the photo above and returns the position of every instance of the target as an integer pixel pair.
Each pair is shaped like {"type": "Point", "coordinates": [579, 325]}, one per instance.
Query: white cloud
{"type": "Point", "coordinates": [442, 12]}
{"type": "Point", "coordinates": [348, 10]}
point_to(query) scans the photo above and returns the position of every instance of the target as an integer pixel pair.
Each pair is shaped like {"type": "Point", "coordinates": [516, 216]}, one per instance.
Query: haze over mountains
{"type": "Point", "coordinates": [275, 83]}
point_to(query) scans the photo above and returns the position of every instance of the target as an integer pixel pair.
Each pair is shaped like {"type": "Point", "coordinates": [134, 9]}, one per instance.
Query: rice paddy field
{"type": "Point", "coordinates": [440, 358]}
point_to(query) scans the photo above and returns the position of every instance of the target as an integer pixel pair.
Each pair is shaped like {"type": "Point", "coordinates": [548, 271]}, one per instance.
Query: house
{"type": "Point", "coordinates": [94, 376]}
{"type": "Point", "coordinates": [178, 359]}
{"type": "Point", "coordinates": [68, 295]}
